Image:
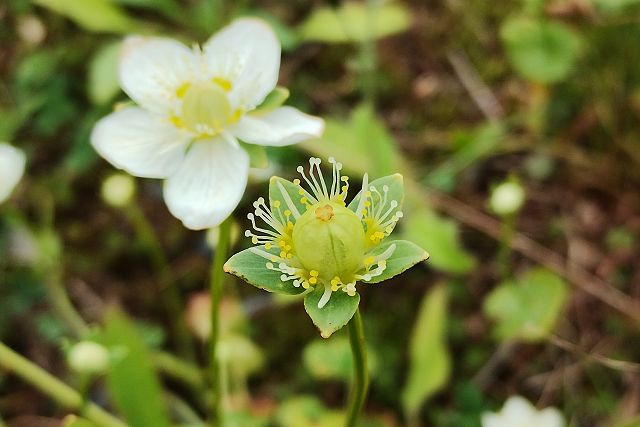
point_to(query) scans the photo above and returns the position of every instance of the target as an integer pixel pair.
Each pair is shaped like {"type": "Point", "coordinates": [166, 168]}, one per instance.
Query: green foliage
{"type": "Point", "coordinates": [307, 411]}
{"type": "Point", "coordinates": [528, 308]}
{"type": "Point", "coordinates": [361, 143]}
{"type": "Point", "coordinates": [429, 359]}
{"type": "Point", "coordinates": [132, 382]}
{"type": "Point", "coordinates": [332, 360]}
{"type": "Point", "coordinates": [335, 314]}
{"type": "Point", "coordinates": [274, 99]}
{"type": "Point", "coordinates": [93, 15]}
{"type": "Point", "coordinates": [541, 50]}
{"type": "Point", "coordinates": [440, 236]}
{"type": "Point", "coordinates": [355, 22]}
{"type": "Point", "coordinates": [251, 268]}
{"type": "Point", "coordinates": [103, 83]}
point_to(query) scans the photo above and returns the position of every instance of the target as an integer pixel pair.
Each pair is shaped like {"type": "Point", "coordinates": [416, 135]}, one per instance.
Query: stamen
{"type": "Point", "coordinates": [325, 296]}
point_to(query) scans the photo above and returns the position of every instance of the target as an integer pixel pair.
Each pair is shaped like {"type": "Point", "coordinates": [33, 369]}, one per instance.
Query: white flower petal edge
{"type": "Point", "coordinates": [141, 143]}
{"type": "Point", "coordinates": [152, 69]}
{"type": "Point", "coordinates": [209, 183]}
{"type": "Point", "coordinates": [247, 54]}
{"type": "Point", "coordinates": [12, 163]}
{"type": "Point", "coordinates": [519, 412]}
{"type": "Point", "coordinates": [283, 126]}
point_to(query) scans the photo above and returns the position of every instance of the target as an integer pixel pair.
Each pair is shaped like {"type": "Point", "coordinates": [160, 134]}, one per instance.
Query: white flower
{"type": "Point", "coordinates": [12, 162]}
{"type": "Point", "coordinates": [518, 412]}
{"type": "Point", "coordinates": [193, 107]}
{"type": "Point", "coordinates": [507, 198]}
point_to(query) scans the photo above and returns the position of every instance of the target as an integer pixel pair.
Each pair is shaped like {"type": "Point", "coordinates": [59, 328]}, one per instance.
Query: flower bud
{"type": "Point", "coordinates": [118, 190]}
{"type": "Point", "coordinates": [88, 357]}
{"type": "Point", "coordinates": [329, 239]}
{"type": "Point", "coordinates": [507, 198]}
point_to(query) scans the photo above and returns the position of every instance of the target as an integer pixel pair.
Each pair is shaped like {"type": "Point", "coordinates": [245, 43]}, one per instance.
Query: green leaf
{"type": "Point", "coordinates": [335, 314]}
{"type": "Point", "coordinates": [355, 22]}
{"type": "Point", "coordinates": [541, 50]}
{"type": "Point", "coordinates": [395, 185]}
{"type": "Point", "coordinates": [635, 422]}
{"type": "Point", "coordinates": [307, 411]}
{"type": "Point", "coordinates": [252, 268]}
{"type": "Point", "coordinates": [93, 15]}
{"type": "Point", "coordinates": [287, 193]}
{"type": "Point", "coordinates": [332, 359]}
{"type": "Point", "coordinates": [74, 421]}
{"type": "Point", "coordinates": [440, 236]}
{"type": "Point", "coordinates": [274, 99]}
{"type": "Point", "coordinates": [405, 256]}
{"type": "Point", "coordinates": [362, 144]}
{"type": "Point", "coordinates": [528, 308]}
{"type": "Point", "coordinates": [132, 382]}
{"type": "Point", "coordinates": [103, 82]}
{"type": "Point", "coordinates": [429, 359]}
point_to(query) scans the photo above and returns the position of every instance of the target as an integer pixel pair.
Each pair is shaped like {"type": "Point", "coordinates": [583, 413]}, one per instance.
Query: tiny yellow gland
{"type": "Point", "coordinates": [329, 240]}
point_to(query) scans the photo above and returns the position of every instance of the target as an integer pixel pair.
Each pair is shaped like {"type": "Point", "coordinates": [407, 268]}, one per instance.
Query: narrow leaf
{"type": "Point", "coordinates": [131, 379]}
{"type": "Point", "coordinates": [429, 359]}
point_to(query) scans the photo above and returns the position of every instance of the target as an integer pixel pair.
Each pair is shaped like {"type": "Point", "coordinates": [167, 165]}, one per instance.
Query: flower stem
{"type": "Point", "coordinates": [360, 382]}
{"type": "Point", "coordinates": [61, 304]}
{"type": "Point", "coordinates": [168, 290]}
{"type": "Point", "coordinates": [216, 288]}
{"type": "Point", "coordinates": [56, 389]}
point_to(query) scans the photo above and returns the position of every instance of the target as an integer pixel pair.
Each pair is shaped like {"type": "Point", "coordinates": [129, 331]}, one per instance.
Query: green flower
{"type": "Point", "coordinates": [312, 242]}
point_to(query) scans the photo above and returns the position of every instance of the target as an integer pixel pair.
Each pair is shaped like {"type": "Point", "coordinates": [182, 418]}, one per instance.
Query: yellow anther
{"type": "Point", "coordinates": [369, 260]}
{"type": "Point", "coordinates": [303, 200]}
{"type": "Point", "coordinates": [267, 246]}
{"type": "Point", "coordinates": [367, 203]}
{"type": "Point", "coordinates": [177, 121]}
{"type": "Point", "coordinates": [334, 287]}
{"type": "Point", "coordinates": [351, 293]}
{"type": "Point", "coordinates": [305, 284]}
{"type": "Point", "coordinates": [287, 213]}
{"type": "Point", "coordinates": [296, 181]}
{"type": "Point", "coordinates": [344, 178]}
{"type": "Point", "coordinates": [254, 240]}
{"type": "Point", "coordinates": [368, 194]}
{"type": "Point", "coordinates": [182, 90]}
{"type": "Point", "coordinates": [283, 254]}
{"type": "Point", "coordinates": [313, 280]}
{"type": "Point", "coordinates": [274, 258]}
{"type": "Point", "coordinates": [282, 243]}
{"type": "Point", "coordinates": [276, 204]}
{"type": "Point", "coordinates": [223, 83]}
{"type": "Point", "coordinates": [301, 192]}
{"type": "Point", "coordinates": [314, 273]}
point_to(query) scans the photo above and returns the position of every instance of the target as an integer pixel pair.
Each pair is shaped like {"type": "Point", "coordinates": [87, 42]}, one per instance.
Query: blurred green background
{"type": "Point", "coordinates": [458, 96]}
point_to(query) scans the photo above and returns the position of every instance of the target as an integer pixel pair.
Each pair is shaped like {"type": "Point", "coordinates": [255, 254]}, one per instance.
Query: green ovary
{"type": "Point", "coordinates": [330, 239]}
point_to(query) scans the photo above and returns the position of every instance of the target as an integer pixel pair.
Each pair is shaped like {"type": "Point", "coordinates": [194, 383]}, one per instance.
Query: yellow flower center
{"type": "Point", "coordinates": [206, 109]}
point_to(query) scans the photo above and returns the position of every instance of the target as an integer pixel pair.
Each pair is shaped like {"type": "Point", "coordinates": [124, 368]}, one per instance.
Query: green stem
{"type": "Point", "coordinates": [56, 389]}
{"type": "Point", "coordinates": [360, 373]}
{"type": "Point", "coordinates": [504, 249]}
{"type": "Point", "coordinates": [168, 290]}
{"type": "Point", "coordinates": [216, 288]}
{"type": "Point", "coordinates": [61, 304]}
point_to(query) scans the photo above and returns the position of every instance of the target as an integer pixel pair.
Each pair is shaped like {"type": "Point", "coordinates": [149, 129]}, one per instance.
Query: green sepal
{"type": "Point", "coordinates": [280, 190]}
{"type": "Point", "coordinates": [257, 155]}
{"type": "Point", "coordinates": [395, 183]}
{"type": "Point", "coordinates": [335, 314]}
{"type": "Point", "coordinates": [252, 268]}
{"type": "Point", "coordinates": [405, 256]}
{"type": "Point", "coordinates": [273, 100]}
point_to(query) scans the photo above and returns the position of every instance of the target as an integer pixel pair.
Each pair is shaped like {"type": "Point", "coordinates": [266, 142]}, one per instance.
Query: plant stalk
{"type": "Point", "coordinates": [360, 382]}
{"type": "Point", "coordinates": [216, 288]}
{"type": "Point", "coordinates": [56, 389]}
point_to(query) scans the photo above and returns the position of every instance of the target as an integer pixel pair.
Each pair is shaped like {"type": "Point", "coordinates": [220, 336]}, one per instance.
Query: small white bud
{"type": "Point", "coordinates": [88, 357]}
{"type": "Point", "coordinates": [118, 190]}
{"type": "Point", "coordinates": [507, 198]}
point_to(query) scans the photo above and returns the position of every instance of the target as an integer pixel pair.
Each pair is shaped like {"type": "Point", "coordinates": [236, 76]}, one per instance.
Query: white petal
{"type": "Point", "coordinates": [247, 54]}
{"type": "Point", "coordinates": [208, 185]}
{"type": "Point", "coordinates": [152, 69]}
{"type": "Point", "coordinates": [492, 420]}
{"type": "Point", "coordinates": [518, 408]}
{"type": "Point", "coordinates": [12, 162]}
{"type": "Point", "coordinates": [282, 126]}
{"type": "Point", "coordinates": [550, 417]}
{"type": "Point", "coordinates": [139, 142]}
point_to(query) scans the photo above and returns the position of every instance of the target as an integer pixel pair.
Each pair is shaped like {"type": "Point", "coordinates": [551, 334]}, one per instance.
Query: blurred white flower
{"type": "Point", "coordinates": [88, 357]}
{"type": "Point", "coordinates": [507, 198]}
{"type": "Point", "coordinates": [518, 412]}
{"type": "Point", "coordinates": [118, 190]}
{"type": "Point", "coordinates": [193, 107]}
{"type": "Point", "coordinates": [12, 162]}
